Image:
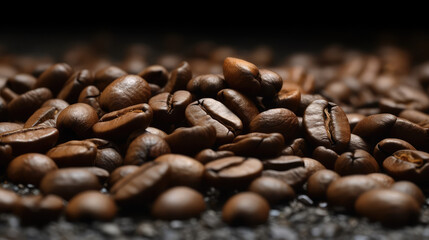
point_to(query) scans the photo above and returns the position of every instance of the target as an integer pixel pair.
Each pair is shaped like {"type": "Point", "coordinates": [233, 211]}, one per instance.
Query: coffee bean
{"type": "Point", "coordinates": [179, 78]}
{"type": "Point", "coordinates": [326, 156]}
{"type": "Point", "coordinates": [145, 148]}
{"type": "Point", "coordinates": [170, 108]}
{"type": "Point", "coordinates": [271, 83]}
{"type": "Point", "coordinates": [21, 83]}
{"type": "Point", "coordinates": [30, 168]}
{"type": "Point", "coordinates": [57, 103]}
{"type": "Point", "coordinates": [386, 147]}
{"type": "Point", "coordinates": [91, 205]}
{"type": "Point", "coordinates": [178, 203]}
{"type": "Point", "coordinates": [113, 98]}
{"type": "Point", "coordinates": [411, 189]}
{"type": "Point", "coordinates": [239, 104]}
{"type": "Point", "coordinates": [206, 86]}
{"type": "Point", "coordinates": [74, 153]}
{"type": "Point", "coordinates": [410, 132]}
{"type": "Point", "coordinates": [411, 165]}
{"type": "Point", "coordinates": [301, 77]}
{"type": "Point", "coordinates": [273, 190]}
{"type": "Point", "coordinates": [318, 183]}
{"type": "Point", "coordinates": [417, 117]}
{"type": "Point", "coordinates": [54, 77]}
{"type": "Point", "coordinates": [75, 84]}
{"type": "Point", "coordinates": [189, 141]}
{"type": "Point", "coordinates": [375, 126]}
{"type": "Point", "coordinates": [289, 169]}
{"type": "Point", "coordinates": [209, 155]}
{"type": "Point", "coordinates": [38, 209]}
{"type": "Point", "coordinates": [100, 173]}
{"type": "Point", "coordinates": [383, 179]}
{"type": "Point", "coordinates": [108, 156]}
{"type": "Point", "coordinates": [120, 173]}
{"type": "Point", "coordinates": [90, 95]}
{"type": "Point", "coordinates": [277, 120]}
{"type": "Point", "coordinates": [77, 120]}
{"type": "Point", "coordinates": [44, 115]}
{"type": "Point", "coordinates": [312, 166]}
{"type": "Point", "coordinates": [286, 98]}
{"type": "Point", "coordinates": [283, 163]}
{"type": "Point", "coordinates": [155, 74]}
{"type": "Point", "coordinates": [9, 126]}
{"type": "Point", "coordinates": [406, 97]}
{"type": "Point", "coordinates": [354, 119]}
{"type": "Point", "coordinates": [22, 107]}
{"type": "Point", "coordinates": [242, 76]}
{"type": "Point", "coordinates": [5, 154]}
{"type": "Point", "coordinates": [298, 147]}
{"type": "Point", "coordinates": [254, 144]}
{"type": "Point", "coordinates": [8, 94]}
{"type": "Point", "coordinates": [356, 143]}
{"type": "Point", "coordinates": [391, 208]}
{"type": "Point", "coordinates": [357, 162]}
{"type": "Point", "coordinates": [107, 75]}
{"type": "Point", "coordinates": [8, 200]}
{"type": "Point", "coordinates": [245, 208]}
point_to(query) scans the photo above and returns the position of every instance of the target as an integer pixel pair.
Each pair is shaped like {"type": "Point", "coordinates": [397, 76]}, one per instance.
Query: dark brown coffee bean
{"type": "Point", "coordinates": [286, 98]}
{"type": "Point", "coordinates": [77, 120]}
{"type": "Point", "coordinates": [246, 208]}
{"type": "Point", "coordinates": [9, 126]}
{"type": "Point", "coordinates": [107, 75]}
{"type": "Point", "coordinates": [410, 132]}
{"type": "Point", "coordinates": [91, 205]}
{"type": "Point", "coordinates": [301, 77]}
{"type": "Point", "coordinates": [383, 179]}
{"type": "Point", "coordinates": [277, 120]}
{"type": "Point", "coordinates": [21, 83]}
{"type": "Point", "coordinates": [343, 192]}
{"type": "Point", "coordinates": [239, 104]}
{"type": "Point", "coordinates": [170, 108]}
{"type": "Point", "coordinates": [74, 153]}
{"type": "Point", "coordinates": [356, 143]}
{"type": "Point", "coordinates": [8, 200]}
{"type": "Point", "coordinates": [54, 77]}
{"type": "Point", "coordinates": [374, 126]}
{"type": "Point", "coordinates": [289, 169]}
{"type": "Point", "coordinates": [417, 117]}
{"type": "Point", "coordinates": [298, 147]}
{"type": "Point", "coordinates": [100, 173]}
{"type": "Point", "coordinates": [44, 115]}
{"type": "Point", "coordinates": [388, 146]}
{"type": "Point", "coordinates": [354, 119]}
{"type": "Point", "coordinates": [207, 111]}
{"type": "Point", "coordinates": [68, 182]}
{"type": "Point", "coordinates": [208, 155]}
{"type": "Point", "coordinates": [391, 208]}
{"type": "Point", "coordinates": [75, 84]}
{"type": "Point", "coordinates": [256, 145]}
{"type": "Point", "coordinates": [357, 162]}
{"type": "Point", "coordinates": [57, 103]}
{"type": "Point", "coordinates": [411, 165]}
{"type": "Point", "coordinates": [34, 139]}
{"type": "Point", "coordinates": [206, 86]}
{"type": "Point", "coordinates": [283, 163]}
{"type": "Point", "coordinates": [312, 165]}
{"type": "Point", "coordinates": [184, 171]}
{"type": "Point", "coordinates": [325, 156]}
{"type": "Point", "coordinates": [306, 100]}
{"type": "Point", "coordinates": [30, 168]}
{"type": "Point", "coordinates": [273, 190]}
{"type": "Point", "coordinates": [5, 154]}
{"type": "Point", "coordinates": [38, 209]}
{"type": "Point", "coordinates": [143, 185]}
{"type": "Point", "coordinates": [232, 172]}
{"type": "Point", "coordinates": [145, 148]}
{"type": "Point", "coordinates": [90, 95]}
{"type": "Point", "coordinates": [405, 97]}
{"type": "Point", "coordinates": [136, 88]}
{"type": "Point", "coordinates": [178, 203]}
{"type": "Point", "coordinates": [23, 106]}
{"type": "Point", "coordinates": [318, 183]}
{"type": "Point", "coordinates": [120, 173]}
{"type": "Point", "coordinates": [179, 78]}
{"type": "Point", "coordinates": [191, 140]}
{"type": "Point", "coordinates": [411, 189]}
{"type": "Point", "coordinates": [271, 83]}
{"type": "Point", "coordinates": [119, 124]}
{"type": "Point", "coordinates": [148, 130]}
{"type": "Point", "coordinates": [8, 94]}
{"type": "Point", "coordinates": [108, 156]}
{"type": "Point", "coordinates": [155, 74]}
{"type": "Point", "coordinates": [242, 76]}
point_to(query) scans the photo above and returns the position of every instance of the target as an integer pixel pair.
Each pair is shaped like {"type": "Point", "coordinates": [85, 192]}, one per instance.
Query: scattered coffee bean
{"type": "Point", "coordinates": [411, 165]}
{"type": "Point", "coordinates": [208, 155]}
{"type": "Point", "coordinates": [38, 209]}
{"type": "Point", "coordinates": [357, 162]}
{"type": "Point", "coordinates": [191, 140]}
{"type": "Point", "coordinates": [277, 120]}
{"type": "Point", "coordinates": [273, 190]}
{"type": "Point", "coordinates": [386, 147]}
{"type": "Point", "coordinates": [145, 148]}
{"type": "Point", "coordinates": [30, 168]}
{"type": "Point", "coordinates": [318, 183]}
{"type": "Point", "coordinates": [255, 144]}
{"type": "Point", "coordinates": [242, 76]}
{"type": "Point", "coordinates": [74, 154]}
{"type": "Point", "coordinates": [383, 179]}
{"type": "Point", "coordinates": [54, 77]}
{"type": "Point", "coordinates": [246, 208]}
{"type": "Point", "coordinates": [91, 205]}
{"type": "Point", "coordinates": [8, 200]}
{"type": "Point", "coordinates": [77, 120]}
{"type": "Point", "coordinates": [411, 189]}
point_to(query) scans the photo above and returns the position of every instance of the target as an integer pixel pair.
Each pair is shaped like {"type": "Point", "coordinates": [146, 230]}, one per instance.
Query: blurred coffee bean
{"type": "Point", "coordinates": [155, 74]}
{"type": "Point", "coordinates": [260, 145]}
{"type": "Point", "coordinates": [318, 183]}
{"type": "Point", "coordinates": [90, 95]}
{"type": "Point", "coordinates": [410, 165]}
{"type": "Point", "coordinates": [21, 83]}
{"type": "Point", "coordinates": [108, 156]}
{"type": "Point", "coordinates": [246, 208]}
{"type": "Point", "coordinates": [179, 78]}
{"type": "Point", "coordinates": [273, 190]}
{"type": "Point", "coordinates": [145, 148]}
{"type": "Point", "coordinates": [121, 172]}
{"type": "Point", "coordinates": [74, 85]}
{"type": "Point", "coordinates": [107, 75]}
{"type": "Point", "coordinates": [8, 200]}
{"type": "Point", "coordinates": [54, 77]}
{"type": "Point", "coordinates": [91, 205]}
{"type": "Point", "coordinates": [383, 179]}
{"type": "Point", "coordinates": [22, 107]}
{"type": "Point", "coordinates": [30, 168]}
{"type": "Point", "coordinates": [357, 162]}
{"type": "Point", "coordinates": [208, 155]}
{"type": "Point", "coordinates": [190, 141]}
{"type": "Point", "coordinates": [74, 154]}
{"type": "Point", "coordinates": [206, 86]}
{"type": "Point", "coordinates": [411, 189]}
{"type": "Point", "coordinates": [39, 209]}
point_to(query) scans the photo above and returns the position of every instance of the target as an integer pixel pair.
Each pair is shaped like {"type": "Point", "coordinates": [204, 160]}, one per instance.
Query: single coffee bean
{"type": "Point", "coordinates": [100, 173]}
{"type": "Point", "coordinates": [8, 94]}
{"type": "Point", "coordinates": [246, 208]}
{"type": "Point", "coordinates": [357, 162]}
{"type": "Point", "coordinates": [207, 111]}
{"type": "Point", "coordinates": [38, 209]}
{"type": "Point", "coordinates": [57, 103]}
{"type": "Point", "coordinates": [325, 156]}
{"type": "Point", "coordinates": [34, 139]}
{"type": "Point", "coordinates": [326, 125]}
{"type": "Point", "coordinates": [107, 75]}
{"type": "Point", "coordinates": [75, 84]}
{"type": "Point", "coordinates": [108, 156]}
{"type": "Point", "coordinates": [9, 126]}
{"type": "Point", "coordinates": [184, 171]}
{"type": "Point", "coordinates": [318, 183]}
{"type": "Point", "coordinates": [277, 120]}
{"type": "Point", "coordinates": [74, 153]}
{"type": "Point", "coordinates": [143, 185]}
{"type": "Point", "coordinates": [301, 77]}
{"type": "Point", "coordinates": [5, 154]}
{"type": "Point", "coordinates": [8, 200]}
{"type": "Point", "coordinates": [273, 190]}
{"type": "Point", "coordinates": [91, 205]}
{"type": "Point", "coordinates": [306, 100]}
{"type": "Point", "coordinates": [169, 108]}
{"type": "Point", "coordinates": [232, 172]}
{"type": "Point", "coordinates": [312, 165]}
{"type": "Point", "coordinates": [411, 165]}
{"type": "Point", "coordinates": [22, 107]}
{"type": "Point", "coordinates": [283, 163]}
{"type": "Point", "coordinates": [145, 148]}
{"type": "Point", "coordinates": [271, 83]}
{"type": "Point", "coordinates": [286, 98]}
{"type": "Point", "coordinates": [40, 68]}
{"type": "Point", "coordinates": [30, 168]}
{"type": "Point", "coordinates": [354, 119]}
{"type": "Point", "coordinates": [209, 155]}
{"type": "Point", "coordinates": [411, 189]}
{"type": "Point", "coordinates": [178, 203]}
{"type": "Point", "coordinates": [206, 86]}
{"type": "Point", "coordinates": [148, 130]}
{"type": "Point", "coordinates": [136, 88]}
{"type": "Point", "coordinates": [298, 147]}
{"type": "Point", "coordinates": [54, 77]}
{"type": "Point", "coordinates": [289, 169]}
{"type": "Point", "coordinates": [68, 182]}
{"type": "Point", "coordinates": [117, 125]}
{"type": "Point", "coordinates": [383, 179]}
{"type": "Point", "coordinates": [386, 147]}
{"type": "Point", "coordinates": [410, 132]}
{"type": "Point", "coordinates": [189, 141]}
{"type": "Point", "coordinates": [356, 143]}
{"type": "Point", "coordinates": [21, 83]}
{"type": "Point", "coordinates": [256, 145]}
{"type": "Point", "coordinates": [375, 126]}
{"type": "Point", "coordinates": [90, 95]}
{"type": "Point", "coordinates": [417, 117]}
{"type": "Point", "coordinates": [44, 115]}
{"type": "Point", "coordinates": [120, 173]}
{"type": "Point", "coordinates": [179, 78]}
{"type": "Point", "coordinates": [155, 74]}
{"type": "Point", "coordinates": [242, 76]}
{"type": "Point", "coordinates": [406, 97]}
{"type": "Point", "coordinates": [391, 208]}
{"type": "Point", "coordinates": [77, 120]}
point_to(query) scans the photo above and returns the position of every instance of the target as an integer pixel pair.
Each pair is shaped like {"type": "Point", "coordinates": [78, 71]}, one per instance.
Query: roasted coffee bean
{"type": "Point", "coordinates": [383, 179]}
{"type": "Point", "coordinates": [38, 209]}
{"type": "Point", "coordinates": [273, 190]}
{"type": "Point", "coordinates": [354, 119]}
{"type": "Point", "coordinates": [148, 130]}
{"type": "Point", "coordinates": [207, 111]}
{"type": "Point", "coordinates": [277, 120]}
{"type": "Point", "coordinates": [5, 154]}
{"type": "Point", "coordinates": [406, 97]}
{"type": "Point", "coordinates": [54, 77]}
{"type": "Point", "coordinates": [417, 117]}
{"type": "Point", "coordinates": [356, 162]}
{"type": "Point", "coordinates": [242, 76]}
{"type": "Point", "coordinates": [108, 156]}
{"type": "Point", "coordinates": [306, 100]}
{"type": "Point", "coordinates": [155, 74]}
{"type": "Point", "coordinates": [74, 153]}
{"type": "Point", "coordinates": [289, 169]}
{"type": "Point", "coordinates": [410, 132]}
{"type": "Point", "coordinates": [283, 163]}
{"type": "Point", "coordinates": [356, 143]}
{"type": "Point", "coordinates": [75, 84]}
{"type": "Point", "coordinates": [208, 155]}
{"type": "Point", "coordinates": [34, 139]}
{"type": "Point", "coordinates": [286, 98]}
{"type": "Point", "coordinates": [301, 77]}
{"type": "Point", "coordinates": [68, 182]}
{"type": "Point", "coordinates": [44, 115]}
{"type": "Point", "coordinates": [8, 200]}
{"type": "Point", "coordinates": [256, 145]}
{"type": "Point", "coordinates": [298, 147]}
{"type": "Point", "coordinates": [119, 124]}
{"type": "Point", "coordinates": [107, 75]}
{"type": "Point", "coordinates": [325, 156]}
{"type": "Point", "coordinates": [374, 127]}
{"type": "Point", "coordinates": [3, 109]}
{"type": "Point", "coordinates": [91, 205]}
{"type": "Point", "coordinates": [326, 125]}
{"type": "Point", "coordinates": [179, 78]}
{"type": "Point", "coordinates": [343, 192]}
{"type": "Point", "coordinates": [145, 148]}
{"type": "Point", "coordinates": [8, 94]}
{"type": "Point", "coordinates": [22, 107]}
{"type": "Point", "coordinates": [90, 96]}
{"type": "Point", "coordinates": [30, 168]}
{"type": "Point", "coordinates": [169, 108]}
{"type": "Point", "coordinates": [77, 120]}
{"type": "Point", "coordinates": [100, 173]}
{"type": "Point", "coordinates": [411, 165]}
{"type": "Point", "coordinates": [386, 147]}
{"type": "Point", "coordinates": [318, 183]}
{"type": "Point", "coordinates": [136, 88]}
{"type": "Point", "coordinates": [312, 165]}
{"type": "Point", "coordinates": [178, 203]}
{"type": "Point", "coordinates": [232, 172]}
{"type": "Point", "coordinates": [143, 185]}
{"type": "Point", "coordinates": [21, 83]}
{"type": "Point", "coordinates": [184, 171]}
{"type": "Point", "coordinates": [120, 173]}
{"type": "Point", "coordinates": [411, 189]}
{"type": "Point", "coordinates": [9, 126]}
{"type": "Point", "coordinates": [191, 140]}
{"type": "Point", "coordinates": [271, 83]}
{"type": "Point", "coordinates": [57, 103]}
{"type": "Point", "coordinates": [239, 104]}
{"type": "Point", "coordinates": [246, 208]}
{"type": "Point", "coordinates": [391, 208]}
{"type": "Point", "coordinates": [206, 86]}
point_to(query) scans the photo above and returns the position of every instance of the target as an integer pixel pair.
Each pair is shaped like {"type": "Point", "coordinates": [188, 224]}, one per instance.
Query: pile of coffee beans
{"type": "Point", "coordinates": [96, 139]}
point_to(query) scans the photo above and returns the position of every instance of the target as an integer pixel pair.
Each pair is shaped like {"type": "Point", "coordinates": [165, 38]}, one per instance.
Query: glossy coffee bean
{"type": "Point", "coordinates": [391, 208]}
{"type": "Point", "coordinates": [357, 162]}
{"type": "Point", "coordinates": [356, 143]}
{"type": "Point", "coordinates": [232, 172]}
{"type": "Point", "coordinates": [318, 183]}
{"type": "Point", "coordinates": [411, 165]}
{"type": "Point", "coordinates": [155, 74]}
{"type": "Point", "coordinates": [54, 77]}
{"type": "Point", "coordinates": [121, 172]}
{"type": "Point", "coordinates": [9, 126]}
{"type": "Point", "coordinates": [8, 200]}
{"type": "Point", "coordinates": [145, 148]}
{"type": "Point", "coordinates": [326, 156]}
{"type": "Point", "coordinates": [107, 75]}
{"type": "Point", "coordinates": [273, 190]}
{"type": "Point", "coordinates": [21, 83]}
{"type": "Point", "coordinates": [410, 132]}
{"type": "Point", "coordinates": [388, 146]}
{"type": "Point", "coordinates": [75, 84]}
{"type": "Point", "coordinates": [77, 120]}
{"type": "Point", "coordinates": [5, 154]}
{"type": "Point", "coordinates": [383, 179]}
{"type": "Point", "coordinates": [289, 169]}
{"type": "Point", "coordinates": [178, 203]}
{"type": "Point", "coordinates": [298, 147]}
{"type": "Point", "coordinates": [30, 168]}
{"type": "Point", "coordinates": [108, 156]}
{"type": "Point", "coordinates": [169, 108]}
{"type": "Point", "coordinates": [417, 117]}
{"type": "Point", "coordinates": [286, 98]}
{"type": "Point", "coordinates": [312, 166]}
{"type": "Point", "coordinates": [277, 120]}
{"type": "Point", "coordinates": [44, 115]}
{"type": "Point", "coordinates": [239, 104]}
{"type": "Point", "coordinates": [271, 83]}
{"type": "Point", "coordinates": [374, 126]}
{"type": "Point", "coordinates": [100, 173]}
{"type": "Point", "coordinates": [91, 205]}
{"type": "Point", "coordinates": [22, 107]}
{"type": "Point", "coordinates": [56, 103]}
{"type": "Point", "coordinates": [208, 155]}
{"type": "Point", "coordinates": [411, 189]}
{"type": "Point", "coordinates": [354, 119]}
{"type": "Point", "coordinates": [256, 145]}
{"type": "Point", "coordinates": [74, 153]}
{"type": "Point", "coordinates": [191, 140]}
{"type": "Point", "coordinates": [179, 78]}
{"type": "Point", "coordinates": [246, 208]}
{"type": "Point", "coordinates": [137, 91]}
{"type": "Point", "coordinates": [38, 209]}
{"type": "Point", "coordinates": [68, 182]}
{"type": "Point", "coordinates": [206, 86]}
{"type": "Point", "coordinates": [90, 95]}
{"type": "Point", "coordinates": [242, 76]}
